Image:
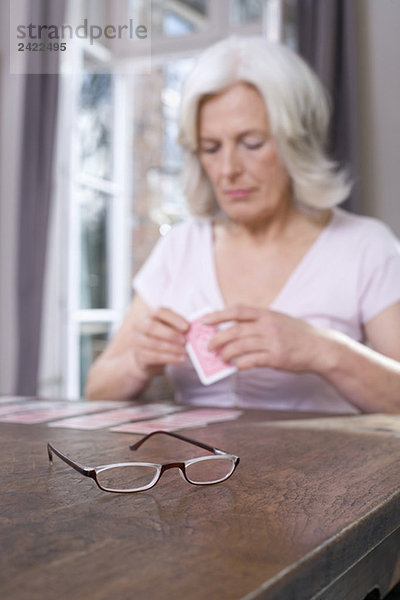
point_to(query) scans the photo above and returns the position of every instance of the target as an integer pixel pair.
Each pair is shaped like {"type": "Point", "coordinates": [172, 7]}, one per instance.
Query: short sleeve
{"type": "Point", "coordinates": [381, 281]}
{"type": "Point", "coordinates": [153, 277]}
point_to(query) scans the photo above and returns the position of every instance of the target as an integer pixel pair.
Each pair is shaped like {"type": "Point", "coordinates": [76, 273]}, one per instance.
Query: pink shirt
{"type": "Point", "coordinates": [349, 275]}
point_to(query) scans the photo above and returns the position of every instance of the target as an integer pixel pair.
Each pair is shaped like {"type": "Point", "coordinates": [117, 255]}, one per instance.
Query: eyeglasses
{"type": "Point", "coordinates": [129, 477]}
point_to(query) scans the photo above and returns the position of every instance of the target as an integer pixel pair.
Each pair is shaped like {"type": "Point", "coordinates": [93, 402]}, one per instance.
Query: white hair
{"type": "Point", "coordinates": [298, 110]}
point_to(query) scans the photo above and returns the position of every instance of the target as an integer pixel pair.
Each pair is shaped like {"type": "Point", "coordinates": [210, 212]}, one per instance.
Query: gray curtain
{"type": "Point", "coordinates": [326, 39]}
{"type": "Point", "coordinates": [37, 162]}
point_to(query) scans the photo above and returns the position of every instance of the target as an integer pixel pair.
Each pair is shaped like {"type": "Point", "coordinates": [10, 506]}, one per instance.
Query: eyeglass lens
{"type": "Point", "coordinates": [127, 477]}
{"type": "Point", "coordinates": [210, 469]}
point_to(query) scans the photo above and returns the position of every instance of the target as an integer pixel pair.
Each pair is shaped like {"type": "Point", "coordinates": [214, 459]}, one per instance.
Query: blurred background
{"type": "Point", "coordinates": [90, 167]}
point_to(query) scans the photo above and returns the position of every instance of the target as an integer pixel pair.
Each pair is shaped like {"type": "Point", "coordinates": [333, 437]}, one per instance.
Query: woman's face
{"type": "Point", "coordinates": [239, 155]}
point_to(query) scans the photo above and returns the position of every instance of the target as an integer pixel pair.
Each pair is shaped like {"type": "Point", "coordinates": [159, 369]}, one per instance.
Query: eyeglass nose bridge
{"type": "Point", "coordinates": [175, 465]}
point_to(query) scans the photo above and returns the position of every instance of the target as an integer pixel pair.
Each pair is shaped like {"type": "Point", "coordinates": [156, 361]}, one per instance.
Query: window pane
{"type": "Point", "coordinates": [199, 5]}
{"type": "Point", "coordinates": [95, 125]}
{"type": "Point", "coordinates": [93, 339]}
{"type": "Point", "coordinates": [289, 23]}
{"type": "Point", "coordinates": [180, 17]}
{"type": "Point", "coordinates": [93, 212]}
{"type": "Point", "coordinates": [246, 11]}
{"type": "Point", "coordinates": [174, 75]}
{"type": "Point", "coordinates": [157, 158]}
{"type": "Point", "coordinates": [95, 11]}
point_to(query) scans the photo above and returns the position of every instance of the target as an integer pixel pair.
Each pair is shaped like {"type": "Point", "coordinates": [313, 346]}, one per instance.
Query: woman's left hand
{"type": "Point", "coordinates": [265, 338]}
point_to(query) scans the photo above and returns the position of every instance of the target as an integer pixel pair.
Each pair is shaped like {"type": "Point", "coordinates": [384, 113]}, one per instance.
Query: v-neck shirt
{"type": "Point", "coordinates": [299, 267]}
{"type": "Point", "coordinates": [349, 274]}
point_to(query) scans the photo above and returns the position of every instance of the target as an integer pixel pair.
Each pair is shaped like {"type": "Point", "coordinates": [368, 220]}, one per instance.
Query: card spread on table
{"type": "Point", "coordinates": [189, 418]}
{"type": "Point", "coordinates": [11, 399]}
{"type": "Point", "coordinates": [209, 366]}
{"type": "Point", "coordinates": [113, 417]}
{"type": "Point", "coordinates": [40, 411]}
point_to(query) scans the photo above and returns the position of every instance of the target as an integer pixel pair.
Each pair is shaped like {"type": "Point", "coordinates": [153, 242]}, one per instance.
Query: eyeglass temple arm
{"type": "Point", "coordinates": [72, 463]}
{"type": "Point", "coordinates": [179, 437]}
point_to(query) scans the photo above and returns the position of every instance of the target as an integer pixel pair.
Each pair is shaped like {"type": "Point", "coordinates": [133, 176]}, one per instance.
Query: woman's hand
{"type": "Point", "coordinates": [146, 341]}
{"type": "Point", "coordinates": [159, 339]}
{"type": "Point", "coordinates": [265, 338]}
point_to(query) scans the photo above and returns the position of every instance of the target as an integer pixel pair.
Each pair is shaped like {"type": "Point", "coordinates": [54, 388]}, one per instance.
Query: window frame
{"type": "Point", "coordinates": [118, 254]}
{"type": "Point", "coordinates": [218, 26]}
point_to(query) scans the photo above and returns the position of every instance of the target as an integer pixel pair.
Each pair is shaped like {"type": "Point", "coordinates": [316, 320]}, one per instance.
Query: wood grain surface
{"type": "Point", "coordinates": [308, 514]}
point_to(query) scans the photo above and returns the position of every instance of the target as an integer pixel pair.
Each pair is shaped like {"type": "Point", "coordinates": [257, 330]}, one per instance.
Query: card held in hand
{"type": "Point", "coordinates": [209, 366]}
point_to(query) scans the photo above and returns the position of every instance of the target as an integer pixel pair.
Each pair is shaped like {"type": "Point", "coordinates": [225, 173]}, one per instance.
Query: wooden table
{"type": "Point", "coordinates": [308, 514]}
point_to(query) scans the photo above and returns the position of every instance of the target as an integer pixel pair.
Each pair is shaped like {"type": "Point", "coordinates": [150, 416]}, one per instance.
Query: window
{"type": "Point", "coordinates": [95, 286]}
{"type": "Point", "coordinates": [120, 164]}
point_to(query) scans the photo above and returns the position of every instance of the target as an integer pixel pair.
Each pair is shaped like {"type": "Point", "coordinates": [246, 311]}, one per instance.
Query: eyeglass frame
{"type": "Point", "coordinates": [161, 468]}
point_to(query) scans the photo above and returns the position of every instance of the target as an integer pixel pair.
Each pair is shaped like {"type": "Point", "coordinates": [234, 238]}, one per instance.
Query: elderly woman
{"type": "Point", "coordinates": [309, 294]}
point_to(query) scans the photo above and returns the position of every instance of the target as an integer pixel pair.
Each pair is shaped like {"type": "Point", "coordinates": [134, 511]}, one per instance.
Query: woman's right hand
{"type": "Point", "coordinates": [145, 343]}
{"type": "Point", "coordinates": [158, 340]}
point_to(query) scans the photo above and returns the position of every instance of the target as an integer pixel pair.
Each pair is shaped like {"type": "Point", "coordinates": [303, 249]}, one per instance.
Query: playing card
{"type": "Point", "coordinates": [10, 399]}
{"type": "Point", "coordinates": [40, 411]}
{"type": "Point", "coordinates": [209, 366]}
{"type": "Point", "coordinates": [113, 417]}
{"type": "Point", "coordinates": [190, 418]}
